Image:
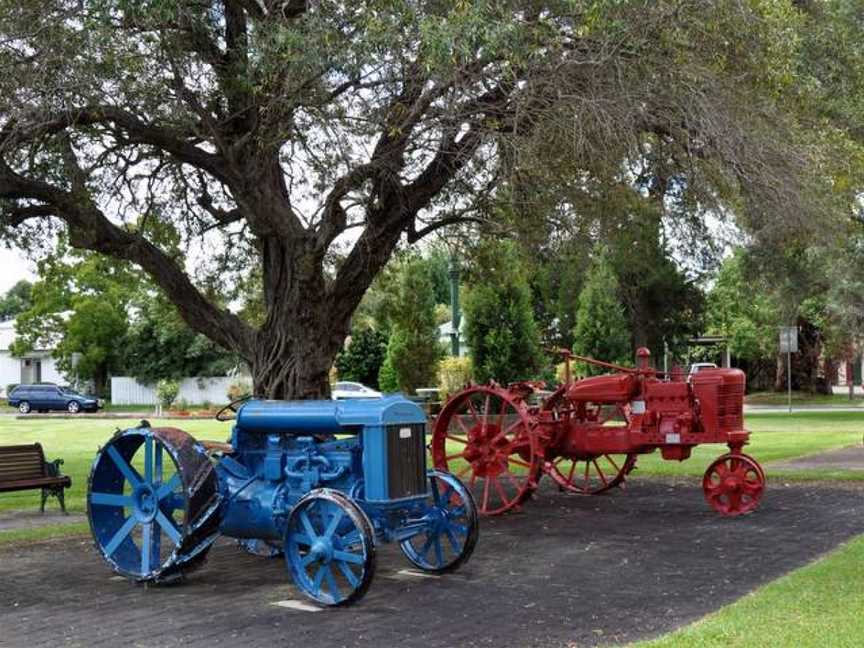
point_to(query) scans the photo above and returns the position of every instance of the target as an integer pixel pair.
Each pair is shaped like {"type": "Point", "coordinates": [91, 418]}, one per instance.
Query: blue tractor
{"type": "Point", "coordinates": [321, 482]}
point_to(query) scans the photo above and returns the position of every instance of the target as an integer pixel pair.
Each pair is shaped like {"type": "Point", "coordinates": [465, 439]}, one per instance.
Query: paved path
{"type": "Point", "coordinates": [567, 571]}
{"type": "Point", "coordinates": [850, 458]}
{"type": "Point", "coordinates": [30, 520]}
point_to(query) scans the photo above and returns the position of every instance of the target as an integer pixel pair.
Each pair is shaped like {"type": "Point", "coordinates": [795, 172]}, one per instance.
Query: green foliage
{"type": "Point", "coordinates": [740, 310]}
{"type": "Point", "coordinates": [363, 358]}
{"type": "Point", "coordinates": [499, 322]}
{"type": "Point", "coordinates": [79, 309]}
{"type": "Point", "coordinates": [453, 375]}
{"type": "Point", "coordinates": [16, 300]}
{"type": "Point", "coordinates": [601, 330]}
{"type": "Point", "coordinates": [166, 391]}
{"type": "Point", "coordinates": [161, 345]}
{"type": "Point", "coordinates": [388, 381]}
{"type": "Point", "coordinates": [412, 349]}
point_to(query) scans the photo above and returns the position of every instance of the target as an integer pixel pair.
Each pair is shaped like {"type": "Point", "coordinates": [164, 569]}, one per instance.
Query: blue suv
{"type": "Point", "coordinates": [45, 398]}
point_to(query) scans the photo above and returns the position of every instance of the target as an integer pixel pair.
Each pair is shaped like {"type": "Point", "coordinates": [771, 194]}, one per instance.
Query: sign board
{"type": "Point", "coordinates": [789, 339]}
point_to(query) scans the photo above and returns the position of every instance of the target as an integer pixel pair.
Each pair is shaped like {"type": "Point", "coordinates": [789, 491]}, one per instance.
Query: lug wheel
{"type": "Point", "coordinates": [451, 527]}
{"type": "Point", "coordinates": [592, 475]}
{"type": "Point", "coordinates": [73, 407]}
{"type": "Point", "coordinates": [24, 407]}
{"type": "Point", "coordinates": [152, 504]}
{"type": "Point", "coordinates": [330, 548]}
{"type": "Point", "coordinates": [485, 436]}
{"type": "Point", "coordinates": [734, 484]}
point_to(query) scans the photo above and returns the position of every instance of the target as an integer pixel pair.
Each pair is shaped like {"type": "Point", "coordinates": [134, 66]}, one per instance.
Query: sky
{"type": "Point", "coordinates": [13, 267]}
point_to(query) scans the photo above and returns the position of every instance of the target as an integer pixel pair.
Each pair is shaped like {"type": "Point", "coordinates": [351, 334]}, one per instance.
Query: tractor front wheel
{"type": "Point", "coordinates": [734, 484]}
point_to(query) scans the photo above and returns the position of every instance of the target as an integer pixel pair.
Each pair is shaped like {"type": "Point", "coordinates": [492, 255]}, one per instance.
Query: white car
{"type": "Point", "coordinates": [696, 367]}
{"type": "Point", "coordinates": [352, 390]}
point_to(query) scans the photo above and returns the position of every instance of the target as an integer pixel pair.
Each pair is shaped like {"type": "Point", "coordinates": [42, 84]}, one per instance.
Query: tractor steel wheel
{"type": "Point", "coordinates": [152, 503]}
{"type": "Point", "coordinates": [734, 484]}
{"type": "Point", "coordinates": [590, 476]}
{"type": "Point", "coordinates": [486, 436]}
{"type": "Point", "coordinates": [330, 547]}
{"type": "Point", "coordinates": [451, 528]}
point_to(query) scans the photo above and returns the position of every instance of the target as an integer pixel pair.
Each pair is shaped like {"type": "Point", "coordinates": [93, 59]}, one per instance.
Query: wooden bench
{"type": "Point", "coordinates": [23, 467]}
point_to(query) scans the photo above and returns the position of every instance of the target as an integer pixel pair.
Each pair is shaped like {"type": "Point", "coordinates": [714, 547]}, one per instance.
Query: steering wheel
{"type": "Point", "coordinates": [230, 407]}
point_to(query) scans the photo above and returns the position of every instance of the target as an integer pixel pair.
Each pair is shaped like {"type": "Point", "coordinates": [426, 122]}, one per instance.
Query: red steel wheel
{"type": "Point", "coordinates": [734, 484]}
{"type": "Point", "coordinates": [484, 435]}
{"type": "Point", "coordinates": [590, 476]}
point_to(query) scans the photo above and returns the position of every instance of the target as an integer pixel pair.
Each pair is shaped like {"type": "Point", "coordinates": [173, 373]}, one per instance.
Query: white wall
{"type": "Point", "coordinates": [128, 391]}
{"type": "Point", "coordinates": [10, 371]}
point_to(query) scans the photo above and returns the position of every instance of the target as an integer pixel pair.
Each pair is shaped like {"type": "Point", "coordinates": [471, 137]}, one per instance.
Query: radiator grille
{"type": "Point", "coordinates": [406, 460]}
{"type": "Point", "coordinates": [730, 406]}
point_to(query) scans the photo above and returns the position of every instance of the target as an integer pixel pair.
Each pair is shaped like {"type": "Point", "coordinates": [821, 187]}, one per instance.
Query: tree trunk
{"type": "Point", "coordinates": [298, 343]}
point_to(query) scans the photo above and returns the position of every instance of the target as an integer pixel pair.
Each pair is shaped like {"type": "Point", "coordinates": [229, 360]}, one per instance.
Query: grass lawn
{"type": "Point", "coordinates": [818, 605]}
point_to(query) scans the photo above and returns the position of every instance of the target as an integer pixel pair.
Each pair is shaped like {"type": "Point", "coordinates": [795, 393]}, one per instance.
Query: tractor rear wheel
{"type": "Point", "coordinates": [592, 475]}
{"type": "Point", "coordinates": [486, 436]}
{"type": "Point", "coordinates": [152, 503]}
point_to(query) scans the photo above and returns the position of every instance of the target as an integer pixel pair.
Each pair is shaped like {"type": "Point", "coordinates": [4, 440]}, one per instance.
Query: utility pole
{"type": "Point", "coordinates": [456, 319]}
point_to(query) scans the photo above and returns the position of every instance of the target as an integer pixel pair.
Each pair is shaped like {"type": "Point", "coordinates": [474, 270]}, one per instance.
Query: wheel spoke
{"type": "Point", "coordinates": [473, 409]}
{"type": "Point", "coordinates": [319, 576]}
{"type": "Point", "coordinates": [128, 471]}
{"type": "Point", "coordinates": [347, 556]}
{"type": "Point", "coordinates": [485, 505]}
{"type": "Point", "coordinates": [307, 525]}
{"type": "Point", "coordinates": [504, 499]}
{"type": "Point", "coordinates": [518, 462]}
{"type": "Point", "coordinates": [159, 467]}
{"type": "Point", "coordinates": [454, 543]}
{"type": "Point", "coordinates": [148, 459]}
{"type": "Point", "coordinates": [460, 440]}
{"type": "Point", "coordinates": [612, 461]}
{"type": "Point", "coordinates": [110, 499]}
{"type": "Point", "coordinates": [334, 523]}
{"type": "Point", "coordinates": [308, 558]}
{"type": "Point", "coordinates": [486, 404]}
{"type": "Point", "coordinates": [439, 551]}
{"type": "Point", "coordinates": [335, 592]}
{"type": "Point", "coordinates": [436, 494]}
{"type": "Point", "coordinates": [122, 533]}
{"type": "Point", "coordinates": [168, 526]}
{"type": "Point", "coordinates": [572, 471]}
{"type": "Point", "coordinates": [301, 539]}
{"type": "Point", "coordinates": [350, 576]}
{"type": "Point", "coordinates": [461, 424]}
{"type": "Point", "coordinates": [600, 472]}
{"type": "Point", "coordinates": [167, 488]}
{"type": "Point", "coordinates": [146, 547]}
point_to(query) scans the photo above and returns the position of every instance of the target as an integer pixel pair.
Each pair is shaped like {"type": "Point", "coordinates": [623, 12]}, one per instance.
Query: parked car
{"type": "Point", "coordinates": [352, 390]}
{"type": "Point", "coordinates": [47, 397]}
{"type": "Point", "coordinates": [696, 367]}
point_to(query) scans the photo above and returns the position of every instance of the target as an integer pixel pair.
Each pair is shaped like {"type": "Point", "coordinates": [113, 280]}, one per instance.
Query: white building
{"type": "Point", "coordinates": [36, 366]}
{"type": "Point", "coordinates": [444, 337]}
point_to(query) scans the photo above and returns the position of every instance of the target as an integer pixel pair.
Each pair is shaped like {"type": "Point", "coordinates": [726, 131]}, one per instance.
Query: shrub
{"type": "Point", "coordinates": [166, 392]}
{"type": "Point", "coordinates": [239, 389]}
{"type": "Point", "coordinates": [453, 375]}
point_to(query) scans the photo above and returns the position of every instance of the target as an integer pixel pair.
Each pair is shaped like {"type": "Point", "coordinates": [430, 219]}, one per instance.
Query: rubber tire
{"type": "Point", "coordinates": [73, 407]}
{"type": "Point", "coordinates": [24, 407]}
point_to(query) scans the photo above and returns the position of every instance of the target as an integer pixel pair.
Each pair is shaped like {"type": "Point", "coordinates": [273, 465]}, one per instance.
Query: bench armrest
{"type": "Point", "coordinates": [53, 467]}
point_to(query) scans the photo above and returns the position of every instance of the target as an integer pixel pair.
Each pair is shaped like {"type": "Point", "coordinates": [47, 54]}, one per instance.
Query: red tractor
{"type": "Point", "coordinates": [588, 434]}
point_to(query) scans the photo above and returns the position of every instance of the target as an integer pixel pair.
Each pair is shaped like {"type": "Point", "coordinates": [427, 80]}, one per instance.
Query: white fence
{"type": "Point", "coordinates": [128, 391]}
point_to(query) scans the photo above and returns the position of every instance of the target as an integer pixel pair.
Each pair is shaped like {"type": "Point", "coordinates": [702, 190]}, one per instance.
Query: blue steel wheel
{"type": "Point", "coordinates": [330, 548]}
{"type": "Point", "coordinates": [451, 528]}
{"type": "Point", "coordinates": [152, 503]}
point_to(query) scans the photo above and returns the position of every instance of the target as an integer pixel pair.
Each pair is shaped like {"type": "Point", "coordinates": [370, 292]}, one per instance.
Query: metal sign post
{"type": "Point", "coordinates": [789, 345]}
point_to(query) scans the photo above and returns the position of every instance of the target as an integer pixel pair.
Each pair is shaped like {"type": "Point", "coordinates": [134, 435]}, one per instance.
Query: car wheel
{"type": "Point", "coordinates": [24, 407]}
{"type": "Point", "coordinates": [73, 407]}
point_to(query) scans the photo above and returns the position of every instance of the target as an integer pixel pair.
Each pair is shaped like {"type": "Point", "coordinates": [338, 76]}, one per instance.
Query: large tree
{"type": "Point", "coordinates": [298, 142]}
